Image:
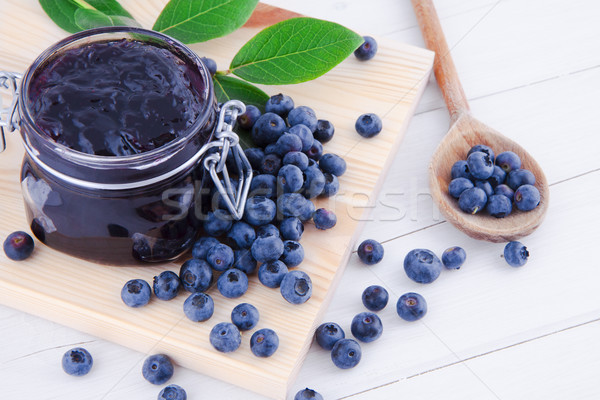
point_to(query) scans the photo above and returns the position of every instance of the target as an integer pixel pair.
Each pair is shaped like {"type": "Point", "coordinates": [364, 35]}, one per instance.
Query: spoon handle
{"type": "Point", "coordinates": [443, 67]}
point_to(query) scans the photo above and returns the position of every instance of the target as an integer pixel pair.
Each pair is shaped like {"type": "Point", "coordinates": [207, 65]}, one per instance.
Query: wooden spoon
{"type": "Point", "coordinates": [466, 131]}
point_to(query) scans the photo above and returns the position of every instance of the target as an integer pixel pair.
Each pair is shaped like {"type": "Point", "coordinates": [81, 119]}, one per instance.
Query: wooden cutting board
{"type": "Point", "coordinates": [86, 296]}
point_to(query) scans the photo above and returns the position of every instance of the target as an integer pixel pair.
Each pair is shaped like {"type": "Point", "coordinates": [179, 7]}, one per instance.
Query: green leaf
{"type": "Point", "coordinates": [293, 51]}
{"type": "Point", "coordinates": [76, 15]}
{"type": "Point", "coordinates": [228, 88]}
{"type": "Point", "coordinates": [193, 21]}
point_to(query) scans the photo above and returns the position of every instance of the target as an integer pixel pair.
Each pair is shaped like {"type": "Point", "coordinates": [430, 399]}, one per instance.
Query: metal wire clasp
{"type": "Point", "coordinates": [9, 118]}
{"type": "Point", "coordinates": [228, 142]}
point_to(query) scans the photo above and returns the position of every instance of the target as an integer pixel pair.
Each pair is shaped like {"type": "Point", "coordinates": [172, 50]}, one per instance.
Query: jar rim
{"type": "Point", "coordinates": [147, 156]}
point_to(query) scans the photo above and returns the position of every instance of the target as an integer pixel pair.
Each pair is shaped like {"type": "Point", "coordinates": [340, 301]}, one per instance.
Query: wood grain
{"type": "Point", "coordinates": [85, 296]}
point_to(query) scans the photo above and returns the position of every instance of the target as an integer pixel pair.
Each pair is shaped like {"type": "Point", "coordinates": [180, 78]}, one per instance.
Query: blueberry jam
{"type": "Point", "coordinates": [115, 98]}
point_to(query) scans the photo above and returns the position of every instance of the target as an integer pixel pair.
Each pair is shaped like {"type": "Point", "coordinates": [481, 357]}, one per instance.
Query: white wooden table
{"type": "Point", "coordinates": [531, 70]}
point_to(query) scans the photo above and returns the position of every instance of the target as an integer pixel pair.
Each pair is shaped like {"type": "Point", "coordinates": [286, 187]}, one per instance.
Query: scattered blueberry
{"type": "Point", "coordinates": [280, 104]}
{"type": "Point", "coordinates": [370, 251]}
{"type": "Point", "coordinates": [245, 316]}
{"type": "Point", "coordinates": [195, 275]}
{"type": "Point", "coordinates": [217, 222]}
{"type": "Point", "coordinates": [422, 266]}
{"type": "Point", "coordinates": [307, 212]}
{"type": "Point", "coordinates": [136, 293]}
{"type": "Point", "coordinates": [305, 135]}
{"type": "Point", "coordinates": [411, 307]}
{"type": "Point", "coordinates": [288, 142]}
{"type": "Point", "coordinates": [220, 257]}
{"type": "Point", "coordinates": [172, 392]}
{"type": "Point", "coordinates": [293, 253]}
{"type": "Point", "coordinates": [296, 158]}
{"type": "Point", "coordinates": [291, 228]}
{"type": "Point", "coordinates": [157, 369]}
{"type": "Point", "coordinates": [486, 186]}
{"type": "Point", "coordinates": [520, 177]}
{"type": "Point", "coordinates": [346, 353]}
{"type": "Point", "coordinates": [454, 257]}
{"type": "Point", "coordinates": [368, 125]}
{"type": "Point", "coordinates": [333, 164]}
{"type": "Point", "coordinates": [505, 190]}
{"type": "Point", "coordinates": [303, 115]}
{"type": "Point", "coordinates": [166, 285]}
{"type": "Point", "coordinates": [324, 132]}
{"type": "Point", "coordinates": [508, 161]}
{"type": "Point", "coordinates": [248, 119]}
{"type": "Point", "coordinates": [499, 206]}
{"type": "Point", "coordinates": [307, 394]}
{"type": "Point", "coordinates": [375, 298]}
{"type": "Point", "coordinates": [271, 148]}
{"type": "Point", "coordinates": [290, 178]}
{"type": "Point", "coordinates": [484, 149]}
{"type": "Point", "coordinates": [332, 185]}
{"type": "Point", "coordinates": [291, 204]}
{"type": "Point", "coordinates": [314, 182]}
{"type": "Point", "coordinates": [225, 337]}
{"type": "Point", "coordinates": [296, 287]}
{"type": "Point", "coordinates": [328, 333]}
{"type": "Point", "coordinates": [460, 169]}
{"type": "Point", "coordinates": [516, 254]}
{"type": "Point", "coordinates": [210, 65]}
{"type": "Point", "coordinates": [18, 246]}
{"type": "Point", "coordinates": [316, 151]}
{"type": "Point", "coordinates": [267, 230]}
{"type": "Point", "coordinates": [264, 342]}
{"type": "Point", "coordinates": [472, 200]}
{"type": "Point", "coordinates": [198, 307]}
{"type": "Point", "coordinates": [259, 210]}
{"type": "Point", "coordinates": [324, 219]}
{"type": "Point", "coordinates": [77, 361]}
{"type": "Point", "coordinates": [271, 273]}
{"type": "Point", "coordinates": [263, 185]}
{"type": "Point", "coordinates": [271, 163]}
{"type": "Point", "coordinates": [498, 176]}
{"type": "Point", "coordinates": [480, 165]}
{"type": "Point", "coordinates": [366, 327]}
{"type": "Point", "coordinates": [527, 197]}
{"type": "Point", "coordinates": [459, 185]}
{"type": "Point", "coordinates": [367, 50]}
{"type": "Point", "coordinates": [265, 249]}
{"type": "Point", "coordinates": [244, 261]}
{"type": "Point", "coordinates": [232, 283]}
{"type": "Point", "coordinates": [267, 129]}
{"type": "Point", "coordinates": [202, 246]}
{"type": "Point", "coordinates": [242, 234]}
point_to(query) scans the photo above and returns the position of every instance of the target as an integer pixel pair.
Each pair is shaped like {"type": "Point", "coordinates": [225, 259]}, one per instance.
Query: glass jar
{"type": "Point", "coordinates": [142, 207]}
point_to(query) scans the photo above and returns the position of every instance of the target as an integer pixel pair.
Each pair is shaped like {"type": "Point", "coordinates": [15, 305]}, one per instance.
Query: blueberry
{"type": "Point", "coordinates": [307, 394]}
{"type": "Point", "coordinates": [346, 353]}
{"type": "Point", "coordinates": [316, 151]}
{"type": "Point", "coordinates": [516, 254]}
{"type": "Point", "coordinates": [244, 261]}
{"type": "Point", "coordinates": [499, 206]}
{"type": "Point", "coordinates": [217, 222]}
{"type": "Point", "coordinates": [484, 149]}
{"type": "Point", "coordinates": [260, 210]}
{"type": "Point", "coordinates": [411, 306]}
{"type": "Point", "coordinates": [198, 307]}
{"type": "Point", "coordinates": [303, 115]}
{"type": "Point", "coordinates": [290, 178]}
{"type": "Point", "coordinates": [280, 104]}
{"type": "Point", "coordinates": [166, 285]}
{"type": "Point", "coordinates": [271, 148]}
{"type": "Point", "coordinates": [366, 327]}
{"type": "Point", "coordinates": [202, 246]}
{"type": "Point", "coordinates": [314, 182]}
{"type": "Point", "coordinates": [264, 342]}
{"type": "Point", "coordinates": [18, 246]}
{"type": "Point", "coordinates": [245, 316]}
{"type": "Point", "coordinates": [486, 186]}
{"type": "Point", "coordinates": [307, 212]}
{"type": "Point", "coordinates": [459, 185]}
{"type": "Point", "coordinates": [296, 158]}
{"type": "Point", "coordinates": [77, 361]}
{"type": "Point", "coordinates": [232, 283]}
{"type": "Point", "coordinates": [460, 169]}
{"type": "Point", "coordinates": [157, 369]}
{"type": "Point", "coordinates": [225, 337]}
{"type": "Point", "coordinates": [324, 132]}
{"type": "Point", "coordinates": [220, 257]}
{"type": "Point", "coordinates": [368, 125]}
{"type": "Point", "coordinates": [480, 165]}
{"type": "Point", "coordinates": [367, 49]}
{"type": "Point", "coordinates": [291, 204]}
{"type": "Point", "coordinates": [504, 190]}
{"type": "Point", "coordinates": [472, 200]}
{"type": "Point", "coordinates": [296, 287]}
{"type": "Point", "coordinates": [508, 161]}
{"type": "Point", "coordinates": [210, 65]}
{"type": "Point", "coordinates": [304, 134]}
{"type": "Point", "coordinates": [248, 118]}
{"type": "Point", "coordinates": [263, 185]}
{"type": "Point", "coordinates": [328, 333]}
{"type": "Point", "coordinates": [136, 293]}
{"type": "Point", "coordinates": [498, 176]}
{"type": "Point", "coordinates": [293, 253]}
{"type": "Point", "coordinates": [422, 266]}
{"type": "Point", "coordinates": [454, 257]}
{"type": "Point", "coordinates": [286, 143]}
{"type": "Point", "coordinates": [267, 249]}
{"type": "Point", "coordinates": [375, 298]}
{"type": "Point", "coordinates": [520, 177]}
{"type": "Point", "coordinates": [242, 234]}
{"type": "Point", "coordinates": [172, 392]}
{"type": "Point", "coordinates": [333, 164]}
{"type": "Point", "coordinates": [527, 197]}
{"type": "Point", "coordinates": [270, 164]}
{"type": "Point", "coordinates": [324, 219]}
{"type": "Point", "coordinates": [195, 275]}
{"type": "Point", "coordinates": [267, 129]}
{"type": "Point", "coordinates": [370, 251]}
{"type": "Point", "coordinates": [332, 185]}
{"type": "Point", "coordinates": [254, 156]}
{"type": "Point", "coordinates": [291, 228]}
{"type": "Point", "coordinates": [271, 273]}
{"type": "Point", "coordinates": [267, 230]}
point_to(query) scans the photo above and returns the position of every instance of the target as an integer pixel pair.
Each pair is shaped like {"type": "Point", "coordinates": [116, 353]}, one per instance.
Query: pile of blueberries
{"type": "Point", "coordinates": [492, 182]}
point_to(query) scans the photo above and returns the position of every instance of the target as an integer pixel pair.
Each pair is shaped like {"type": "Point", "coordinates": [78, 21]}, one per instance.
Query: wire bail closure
{"type": "Point", "coordinates": [228, 142]}
{"type": "Point", "coordinates": [9, 118]}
